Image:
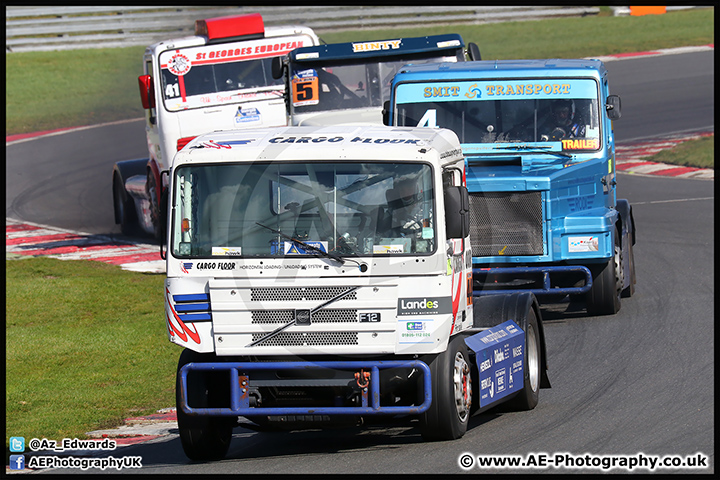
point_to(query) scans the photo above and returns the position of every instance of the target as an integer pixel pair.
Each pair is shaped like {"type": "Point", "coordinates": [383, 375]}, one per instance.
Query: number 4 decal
{"type": "Point", "coordinates": [429, 119]}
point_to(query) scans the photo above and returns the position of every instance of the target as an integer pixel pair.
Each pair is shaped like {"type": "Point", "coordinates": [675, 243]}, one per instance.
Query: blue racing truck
{"type": "Point", "coordinates": [540, 163]}
{"type": "Point", "coordinates": [348, 83]}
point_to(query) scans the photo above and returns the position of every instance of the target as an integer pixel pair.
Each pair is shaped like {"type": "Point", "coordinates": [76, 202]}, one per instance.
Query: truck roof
{"type": "Point", "coordinates": [505, 68]}
{"type": "Point", "coordinates": [199, 40]}
{"type": "Point", "coordinates": [377, 48]}
{"type": "Point", "coordinates": [324, 143]}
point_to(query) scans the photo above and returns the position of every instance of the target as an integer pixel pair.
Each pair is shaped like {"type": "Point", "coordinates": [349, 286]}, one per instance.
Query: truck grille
{"type": "Point", "coordinates": [295, 339]}
{"type": "Point", "coordinates": [294, 294]}
{"type": "Point", "coordinates": [506, 223]}
{"type": "Point", "coordinates": [324, 315]}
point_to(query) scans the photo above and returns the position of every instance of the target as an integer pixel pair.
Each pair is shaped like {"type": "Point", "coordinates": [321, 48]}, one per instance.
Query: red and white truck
{"type": "Point", "coordinates": [218, 79]}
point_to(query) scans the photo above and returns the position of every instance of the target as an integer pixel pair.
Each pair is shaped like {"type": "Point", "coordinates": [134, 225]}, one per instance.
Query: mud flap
{"type": "Point", "coordinates": [493, 310]}
{"type": "Point", "coordinates": [499, 355]}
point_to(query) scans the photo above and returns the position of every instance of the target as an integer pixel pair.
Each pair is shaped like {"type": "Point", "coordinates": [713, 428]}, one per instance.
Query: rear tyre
{"type": "Point", "coordinates": [604, 295]}
{"type": "Point", "coordinates": [527, 399]}
{"type": "Point", "coordinates": [449, 414]}
{"type": "Point", "coordinates": [124, 208]}
{"type": "Point", "coordinates": [203, 437]}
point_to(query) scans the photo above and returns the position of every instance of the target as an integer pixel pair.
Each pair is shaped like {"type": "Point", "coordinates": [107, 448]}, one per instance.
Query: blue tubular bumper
{"type": "Point", "coordinates": [539, 275]}
{"type": "Point", "coordinates": [241, 382]}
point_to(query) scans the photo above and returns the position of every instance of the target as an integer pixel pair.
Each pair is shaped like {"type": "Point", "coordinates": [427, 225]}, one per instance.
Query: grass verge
{"type": "Point", "coordinates": [698, 153]}
{"type": "Point", "coordinates": [48, 90]}
{"type": "Point", "coordinates": [86, 347]}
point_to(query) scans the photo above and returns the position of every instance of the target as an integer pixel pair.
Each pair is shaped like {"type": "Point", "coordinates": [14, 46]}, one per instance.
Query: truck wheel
{"type": "Point", "coordinates": [203, 437]}
{"type": "Point", "coordinates": [153, 193]}
{"type": "Point", "coordinates": [124, 208]}
{"type": "Point", "coordinates": [448, 415]}
{"type": "Point", "coordinates": [629, 291]}
{"type": "Point", "coordinates": [527, 399]}
{"type": "Point", "coordinates": [604, 295]}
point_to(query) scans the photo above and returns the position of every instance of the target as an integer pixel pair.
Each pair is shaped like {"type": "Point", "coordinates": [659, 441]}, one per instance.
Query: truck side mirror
{"type": "Point", "coordinates": [386, 112]}
{"type": "Point", "coordinates": [457, 211]}
{"type": "Point", "coordinates": [277, 67]}
{"type": "Point", "coordinates": [473, 51]}
{"type": "Point", "coordinates": [612, 107]}
{"type": "Point", "coordinates": [147, 92]}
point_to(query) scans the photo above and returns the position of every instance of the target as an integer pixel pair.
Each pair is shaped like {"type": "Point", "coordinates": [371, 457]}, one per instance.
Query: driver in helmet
{"type": "Point", "coordinates": [564, 122]}
{"type": "Point", "coordinates": [405, 208]}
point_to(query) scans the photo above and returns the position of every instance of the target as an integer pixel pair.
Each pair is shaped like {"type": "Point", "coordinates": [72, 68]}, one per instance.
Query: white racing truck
{"type": "Point", "coordinates": [322, 275]}
{"type": "Point", "coordinates": [218, 79]}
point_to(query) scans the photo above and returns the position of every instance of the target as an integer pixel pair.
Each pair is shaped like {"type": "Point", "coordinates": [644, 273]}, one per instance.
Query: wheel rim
{"type": "Point", "coordinates": [462, 386]}
{"type": "Point", "coordinates": [533, 359]}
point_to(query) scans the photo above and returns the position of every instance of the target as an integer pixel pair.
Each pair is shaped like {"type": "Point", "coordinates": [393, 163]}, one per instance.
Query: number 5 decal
{"type": "Point", "coordinates": [305, 91]}
{"type": "Point", "coordinates": [429, 119]}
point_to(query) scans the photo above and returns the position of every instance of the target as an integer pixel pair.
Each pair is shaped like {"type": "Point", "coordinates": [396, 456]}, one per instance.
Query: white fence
{"type": "Point", "coordinates": [61, 28]}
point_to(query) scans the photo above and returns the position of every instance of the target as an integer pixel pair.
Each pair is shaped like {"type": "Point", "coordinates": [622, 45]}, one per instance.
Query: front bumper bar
{"type": "Point", "coordinates": [241, 381]}
{"type": "Point", "coordinates": [494, 278]}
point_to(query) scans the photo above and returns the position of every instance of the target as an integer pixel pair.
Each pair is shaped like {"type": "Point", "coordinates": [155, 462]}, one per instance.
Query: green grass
{"type": "Point", "coordinates": [693, 153]}
{"type": "Point", "coordinates": [48, 90]}
{"type": "Point", "coordinates": [86, 347]}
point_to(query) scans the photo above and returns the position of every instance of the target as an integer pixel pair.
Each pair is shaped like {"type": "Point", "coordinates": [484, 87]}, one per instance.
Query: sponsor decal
{"type": "Point", "coordinates": [528, 89]}
{"type": "Point", "coordinates": [499, 356]}
{"type": "Point", "coordinates": [583, 244]}
{"type": "Point", "coordinates": [247, 115]}
{"type": "Point", "coordinates": [388, 248]}
{"type": "Point", "coordinates": [179, 65]}
{"type": "Point", "coordinates": [185, 266]}
{"type": "Point", "coordinates": [581, 144]}
{"type": "Point", "coordinates": [292, 248]}
{"type": "Point", "coordinates": [215, 266]}
{"type": "Point", "coordinates": [375, 46]}
{"type": "Point", "coordinates": [424, 306]}
{"type": "Point", "coordinates": [227, 251]}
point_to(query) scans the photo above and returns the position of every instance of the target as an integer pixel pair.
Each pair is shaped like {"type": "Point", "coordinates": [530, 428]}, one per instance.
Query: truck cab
{"type": "Point", "coordinates": [320, 275]}
{"type": "Point", "coordinates": [218, 79]}
{"type": "Point", "coordinates": [538, 142]}
{"type": "Point", "coordinates": [349, 83]}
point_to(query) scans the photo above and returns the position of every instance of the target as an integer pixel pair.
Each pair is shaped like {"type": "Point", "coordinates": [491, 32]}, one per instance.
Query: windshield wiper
{"type": "Point", "coordinates": [316, 250]}
{"type": "Point", "coordinates": [534, 149]}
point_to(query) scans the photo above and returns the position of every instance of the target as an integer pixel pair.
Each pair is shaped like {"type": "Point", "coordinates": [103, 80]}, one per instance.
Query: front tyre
{"type": "Point", "coordinates": [203, 437]}
{"type": "Point", "coordinates": [448, 415]}
{"type": "Point", "coordinates": [124, 208]}
{"type": "Point", "coordinates": [604, 295]}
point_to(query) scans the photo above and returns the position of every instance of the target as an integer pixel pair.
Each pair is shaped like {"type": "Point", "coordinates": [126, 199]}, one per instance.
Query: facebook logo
{"type": "Point", "coordinates": [17, 462]}
{"type": "Point", "coordinates": [17, 444]}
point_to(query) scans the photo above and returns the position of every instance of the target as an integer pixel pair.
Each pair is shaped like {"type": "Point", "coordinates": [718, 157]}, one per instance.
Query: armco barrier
{"type": "Point", "coordinates": [61, 28]}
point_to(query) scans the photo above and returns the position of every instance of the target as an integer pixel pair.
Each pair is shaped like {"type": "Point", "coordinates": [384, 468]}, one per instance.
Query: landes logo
{"type": "Point", "coordinates": [424, 306]}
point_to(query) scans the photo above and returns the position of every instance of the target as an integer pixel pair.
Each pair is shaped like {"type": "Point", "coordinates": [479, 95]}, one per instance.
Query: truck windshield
{"type": "Point", "coordinates": [348, 209]}
{"type": "Point", "coordinates": [332, 85]}
{"type": "Point", "coordinates": [564, 111]}
{"type": "Point", "coordinates": [204, 76]}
